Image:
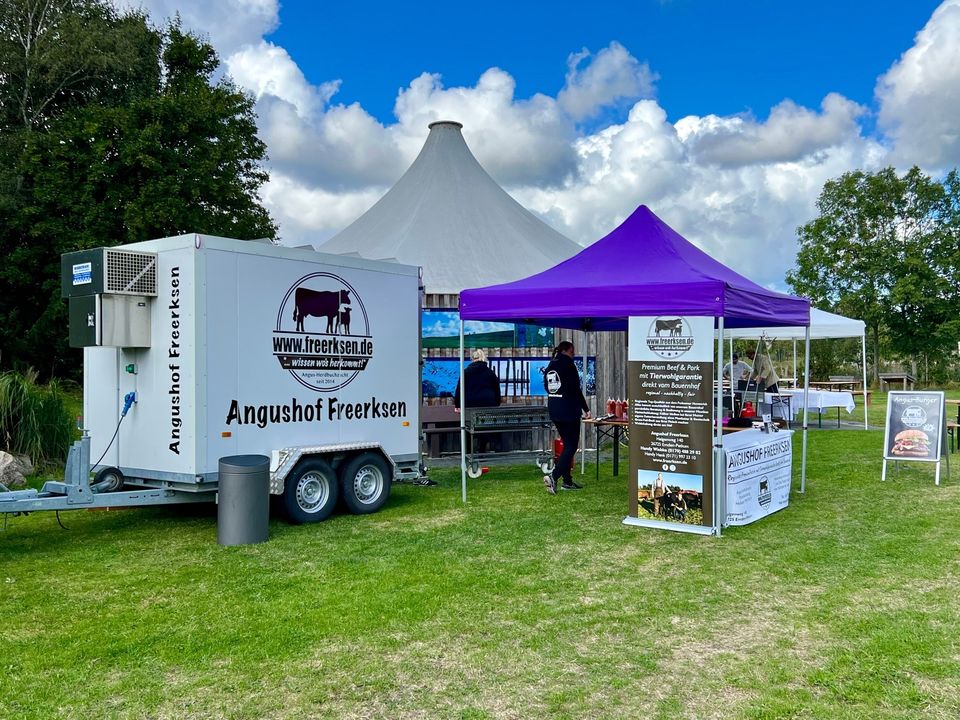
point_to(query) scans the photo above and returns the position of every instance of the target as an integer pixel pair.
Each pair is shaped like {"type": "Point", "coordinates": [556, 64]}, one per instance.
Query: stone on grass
{"type": "Point", "coordinates": [13, 469]}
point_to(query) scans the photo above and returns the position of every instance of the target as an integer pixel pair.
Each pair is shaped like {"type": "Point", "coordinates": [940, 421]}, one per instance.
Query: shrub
{"type": "Point", "coordinates": [34, 419]}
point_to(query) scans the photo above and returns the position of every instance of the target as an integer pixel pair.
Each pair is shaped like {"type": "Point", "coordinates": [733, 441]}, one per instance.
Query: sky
{"type": "Point", "coordinates": [725, 118]}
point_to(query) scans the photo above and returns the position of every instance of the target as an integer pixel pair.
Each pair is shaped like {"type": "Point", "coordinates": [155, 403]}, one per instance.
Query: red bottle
{"type": "Point", "coordinates": [748, 410]}
{"type": "Point", "coordinates": [611, 406]}
{"type": "Point", "coordinates": [619, 409]}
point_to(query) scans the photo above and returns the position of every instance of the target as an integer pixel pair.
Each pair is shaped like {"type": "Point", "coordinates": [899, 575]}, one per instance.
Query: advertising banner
{"type": "Point", "coordinates": [670, 384]}
{"type": "Point", "coordinates": [914, 426]}
{"type": "Point", "coordinates": [758, 472]}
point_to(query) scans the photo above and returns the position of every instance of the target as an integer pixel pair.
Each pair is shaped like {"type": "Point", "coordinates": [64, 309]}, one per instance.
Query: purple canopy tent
{"type": "Point", "coordinates": [643, 267]}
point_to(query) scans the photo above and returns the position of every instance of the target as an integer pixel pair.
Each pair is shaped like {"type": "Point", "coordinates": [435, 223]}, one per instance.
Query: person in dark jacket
{"type": "Point", "coordinates": [483, 390]}
{"type": "Point", "coordinates": [483, 385]}
{"type": "Point", "coordinates": [566, 402]}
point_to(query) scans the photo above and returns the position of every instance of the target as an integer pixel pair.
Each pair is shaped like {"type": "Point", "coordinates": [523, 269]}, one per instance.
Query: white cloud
{"type": "Point", "coordinates": [737, 186]}
{"type": "Point", "coordinates": [790, 133]}
{"type": "Point", "coordinates": [230, 24]}
{"type": "Point", "coordinates": [920, 95]}
{"type": "Point", "coordinates": [613, 75]}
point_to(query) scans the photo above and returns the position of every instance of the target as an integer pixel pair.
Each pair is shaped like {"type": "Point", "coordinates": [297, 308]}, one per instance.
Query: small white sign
{"type": "Point", "coordinates": [83, 273]}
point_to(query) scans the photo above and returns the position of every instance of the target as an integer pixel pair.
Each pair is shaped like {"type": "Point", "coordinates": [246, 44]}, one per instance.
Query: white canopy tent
{"type": "Point", "coordinates": [823, 325]}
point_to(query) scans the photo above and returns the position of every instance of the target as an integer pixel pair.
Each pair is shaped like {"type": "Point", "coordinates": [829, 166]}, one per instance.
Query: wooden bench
{"type": "Point", "coordinates": [952, 428]}
{"type": "Point", "coordinates": [437, 421]}
{"type": "Point", "coordinates": [867, 393]}
{"type": "Point", "coordinates": [903, 377]}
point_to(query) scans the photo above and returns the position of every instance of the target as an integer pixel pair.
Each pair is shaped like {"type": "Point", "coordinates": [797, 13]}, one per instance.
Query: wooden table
{"type": "Point", "coordinates": [953, 426]}
{"type": "Point", "coordinates": [886, 377]}
{"type": "Point", "coordinates": [836, 385]}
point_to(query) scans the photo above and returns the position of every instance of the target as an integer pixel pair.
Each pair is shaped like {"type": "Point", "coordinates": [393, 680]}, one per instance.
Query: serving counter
{"type": "Point", "coordinates": [757, 471]}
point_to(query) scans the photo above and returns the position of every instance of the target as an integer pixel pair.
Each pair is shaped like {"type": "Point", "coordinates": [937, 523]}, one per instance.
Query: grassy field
{"type": "Point", "coordinates": [517, 605]}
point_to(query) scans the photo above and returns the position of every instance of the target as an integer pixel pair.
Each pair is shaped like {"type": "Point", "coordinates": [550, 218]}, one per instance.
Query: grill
{"type": "Point", "coordinates": [502, 419]}
{"type": "Point", "coordinates": [131, 273]}
{"type": "Point", "coordinates": [533, 419]}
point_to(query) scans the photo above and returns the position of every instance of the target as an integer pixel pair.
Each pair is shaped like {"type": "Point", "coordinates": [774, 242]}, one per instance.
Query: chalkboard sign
{"type": "Point", "coordinates": [914, 427]}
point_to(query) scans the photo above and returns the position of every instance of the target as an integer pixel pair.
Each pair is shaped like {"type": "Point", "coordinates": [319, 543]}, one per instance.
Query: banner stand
{"type": "Point", "coordinates": [915, 430]}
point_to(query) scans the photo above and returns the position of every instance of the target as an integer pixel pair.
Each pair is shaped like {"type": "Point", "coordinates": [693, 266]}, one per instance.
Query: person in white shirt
{"type": "Point", "coordinates": [736, 370]}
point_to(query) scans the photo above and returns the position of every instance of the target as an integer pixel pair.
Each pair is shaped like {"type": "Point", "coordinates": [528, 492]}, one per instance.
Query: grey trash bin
{"type": "Point", "coordinates": [243, 499]}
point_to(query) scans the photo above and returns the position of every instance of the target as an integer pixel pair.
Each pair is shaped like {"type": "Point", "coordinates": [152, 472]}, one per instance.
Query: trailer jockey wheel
{"type": "Point", "coordinates": [546, 466]}
{"type": "Point", "coordinates": [474, 470]}
{"type": "Point", "coordinates": [310, 493]}
{"type": "Point", "coordinates": [365, 483]}
{"type": "Point", "coordinates": [109, 479]}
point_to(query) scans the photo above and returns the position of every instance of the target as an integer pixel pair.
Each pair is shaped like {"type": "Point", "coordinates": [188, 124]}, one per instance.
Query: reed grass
{"type": "Point", "coordinates": [34, 419]}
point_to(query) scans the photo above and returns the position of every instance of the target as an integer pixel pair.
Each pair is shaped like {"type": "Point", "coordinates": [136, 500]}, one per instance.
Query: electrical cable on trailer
{"type": "Point", "coordinates": [128, 400]}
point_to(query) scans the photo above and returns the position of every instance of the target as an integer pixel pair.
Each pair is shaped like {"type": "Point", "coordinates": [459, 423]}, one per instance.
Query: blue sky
{"type": "Point", "coordinates": [725, 118]}
{"type": "Point", "coordinates": [712, 56]}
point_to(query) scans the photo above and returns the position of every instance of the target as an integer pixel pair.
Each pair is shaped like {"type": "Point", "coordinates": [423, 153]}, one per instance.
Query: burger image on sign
{"type": "Point", "coordinates": [911, 443]}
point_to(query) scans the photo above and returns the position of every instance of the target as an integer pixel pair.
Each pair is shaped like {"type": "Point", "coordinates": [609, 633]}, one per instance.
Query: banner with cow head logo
{"type": "Point", "coordinates": [322, 336]}
{"type": "Point", "coordinates": [670, 386]}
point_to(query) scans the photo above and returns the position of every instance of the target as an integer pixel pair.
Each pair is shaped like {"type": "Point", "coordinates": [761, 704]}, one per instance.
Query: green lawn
{"type": "Point", "coordinates": [517, 605]}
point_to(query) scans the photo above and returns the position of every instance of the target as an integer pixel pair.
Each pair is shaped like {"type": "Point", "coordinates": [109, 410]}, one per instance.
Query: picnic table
{"type": "Point", "coordinates": [904, 377]}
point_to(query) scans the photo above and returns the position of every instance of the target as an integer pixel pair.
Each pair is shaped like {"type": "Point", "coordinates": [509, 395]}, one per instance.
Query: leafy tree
{"type": "Point", "coordinates": [174, 152]}
{"type": "Point", "coordinates": [884, 249]}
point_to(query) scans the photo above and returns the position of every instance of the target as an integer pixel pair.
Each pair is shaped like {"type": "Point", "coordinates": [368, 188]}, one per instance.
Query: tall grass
{"type": "Point", "coordinates": [34, 419]}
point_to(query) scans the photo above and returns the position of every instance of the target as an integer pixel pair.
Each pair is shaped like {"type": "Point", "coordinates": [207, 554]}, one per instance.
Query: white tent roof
{"type": "Point", "coordinates": [449, 216]}
{"type": "Point", "coordinates": [823, 324]}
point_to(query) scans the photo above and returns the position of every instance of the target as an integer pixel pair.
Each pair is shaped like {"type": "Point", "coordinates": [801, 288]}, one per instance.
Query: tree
{"type": "Point", "coordinates": [174, 153]}
{"type": "Point", "coordinates": [884, 249]}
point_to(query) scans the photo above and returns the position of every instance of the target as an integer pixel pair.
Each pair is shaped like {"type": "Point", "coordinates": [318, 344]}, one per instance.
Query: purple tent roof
{"type": "Point", "coordinates": [643, 267]}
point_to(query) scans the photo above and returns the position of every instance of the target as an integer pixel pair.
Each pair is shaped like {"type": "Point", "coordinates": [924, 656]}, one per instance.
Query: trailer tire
{"type": "Point", "coordinates": [310, 493]}
{"type": "Point", "coordinates": [474, 470]}
{"type": "Point", "coordinates": [365, 483]}
{"type": "Point", "coordinates": [109, 479]}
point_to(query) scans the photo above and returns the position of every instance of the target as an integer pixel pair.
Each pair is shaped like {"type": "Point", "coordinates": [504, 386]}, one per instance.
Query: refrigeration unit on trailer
{"type": "Point", "coordinates": [198, 348]}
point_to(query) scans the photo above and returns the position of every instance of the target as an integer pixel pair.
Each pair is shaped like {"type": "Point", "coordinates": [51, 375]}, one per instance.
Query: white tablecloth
{"type": "Point", "coordinates": [820, 400]}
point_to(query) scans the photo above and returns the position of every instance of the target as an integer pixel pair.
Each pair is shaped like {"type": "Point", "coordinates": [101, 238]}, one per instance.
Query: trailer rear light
{"type": "Point", "coordinates": [406, 423]}
{"type": "Point", "coordinates": [226, 433]}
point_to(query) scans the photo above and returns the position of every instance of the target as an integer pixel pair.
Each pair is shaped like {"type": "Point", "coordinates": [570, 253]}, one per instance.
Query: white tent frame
{"type": "Point", "coordinates": [823, 325]}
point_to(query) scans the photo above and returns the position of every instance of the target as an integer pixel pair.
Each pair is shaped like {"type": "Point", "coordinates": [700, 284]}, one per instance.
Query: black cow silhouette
{"type": "Point", "coordinates": [319, 303]}
{"type": "Point", "coordinates": [343, 320]}
{"type": "Point", "coordinates": [764, 487]}
{"type": "Point", "coordinates": [674, 326]}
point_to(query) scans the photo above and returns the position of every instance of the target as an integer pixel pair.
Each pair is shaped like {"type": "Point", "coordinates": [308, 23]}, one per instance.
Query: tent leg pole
{"type": "Point", "coordinates": [795, 377]}
{"type": "Point", "coordinates": [806, 390]}
{"type": "Point", "coordinates": [719, 478]}
{"type": "Point", "coordinates": [463, 427]}
{"type": "Point", "coordinates": [863, 338]}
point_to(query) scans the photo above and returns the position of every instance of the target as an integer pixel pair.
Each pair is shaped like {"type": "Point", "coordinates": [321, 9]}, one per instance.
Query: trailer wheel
{"type": "Point", "coordinates": [310, 493]}
{"type": "Point", "coordinates": [546, 466]}
{"type": "Point", "coordinates": [365, 483]}
{"type": "Point", "coordinates": [109, 479]}
{"type": "Point", "coordinates": [474, 470]}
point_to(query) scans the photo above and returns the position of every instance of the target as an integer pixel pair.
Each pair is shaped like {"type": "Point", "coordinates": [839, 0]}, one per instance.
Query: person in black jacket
{"type": "Point", "coordinates": [566, 402]}
{"type": "Point", "coordinates": [483, 390]}
{"type": "Point", "coordinates": [483, 385]}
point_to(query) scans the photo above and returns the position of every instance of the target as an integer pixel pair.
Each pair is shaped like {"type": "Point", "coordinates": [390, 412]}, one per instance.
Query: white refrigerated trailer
{"type": "Point", "coordinates": [222, 348]}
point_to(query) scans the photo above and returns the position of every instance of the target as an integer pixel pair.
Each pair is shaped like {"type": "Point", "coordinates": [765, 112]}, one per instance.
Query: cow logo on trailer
{"type": "Point", "coordinates": [669, 337]}
{"type": "Point", "coordinates": [323, 333]}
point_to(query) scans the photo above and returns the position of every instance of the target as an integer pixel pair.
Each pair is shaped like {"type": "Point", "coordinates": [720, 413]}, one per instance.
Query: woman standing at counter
{"type": "Point", "coordinates": [566, 403]}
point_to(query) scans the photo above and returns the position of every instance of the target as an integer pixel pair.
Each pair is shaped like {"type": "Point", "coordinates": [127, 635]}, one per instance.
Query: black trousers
{"type": "Point", "coordinates": [570, 434]}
